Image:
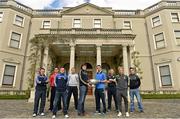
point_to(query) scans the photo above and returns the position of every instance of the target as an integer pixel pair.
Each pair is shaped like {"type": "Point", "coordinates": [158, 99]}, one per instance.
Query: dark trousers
{"type": "Point", "coordinates": [59, 95]}
{"type": "Point", "coordinates": [100, 95]}
{"type": "Point", "coordinates": [122, 94]}
{"type": "Point", "coordinates": [39, 95]}
{"type": "Point", "coordinates": [112, 94]}
{"type": "Point", "coordinates": [72, 90]}
{"type": "Point", "coordinates": [53, 92]}
{"type": "Point", "coordinates": [82, 97]}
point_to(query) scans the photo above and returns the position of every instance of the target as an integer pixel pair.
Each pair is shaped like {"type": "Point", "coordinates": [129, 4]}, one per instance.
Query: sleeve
{"type": "Point", "coordinates": [51, 80]}
{"type": "Point", "coordinates": [37, 80]}
{"type": "Point", "coordinates": [139, 81]}
{"type": "Point", "coordinates": [55, 81]}
{"type": "Point", "coordinates": [105, 77]}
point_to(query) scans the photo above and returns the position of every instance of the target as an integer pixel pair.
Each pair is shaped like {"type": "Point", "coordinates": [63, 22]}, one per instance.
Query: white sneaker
{"type": "Point", "coordinates": [42, 114]}
{"type": "Point", "coordinates": [127, 114]}
{"type": "Point", "coordinates": [34, 115]}
{"type": "Point", "coordinates": [66, 116]}
{"type": "Point", "coordinates": [54, 116]}
{"type": "Point", "coordinates": [119, 114]}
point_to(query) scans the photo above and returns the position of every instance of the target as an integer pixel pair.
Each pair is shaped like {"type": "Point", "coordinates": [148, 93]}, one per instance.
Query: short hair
{"type": "Point", "coordinates": [98, 65]}
{"type": "Point", "coordinates": [119, 67]}
{"type": "Point", "coordinates": [133, 68]}
{"type": "Point", "coordinates": [41, 68]}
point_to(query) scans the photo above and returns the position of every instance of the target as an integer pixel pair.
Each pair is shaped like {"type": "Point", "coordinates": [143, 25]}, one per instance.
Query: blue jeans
{"type": "Point", "coordinates": [59, 95]}
{"type": "Point", "coordinates": [135, 92]}
{"type": "Point", "coordinates": [82, 97]}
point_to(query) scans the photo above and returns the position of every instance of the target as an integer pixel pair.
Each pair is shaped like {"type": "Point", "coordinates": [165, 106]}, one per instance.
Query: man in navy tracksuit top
{"type": "Point", "coordinates": [61, 85]}
{"type": "Point", "coordinates": [40, 94]}
{"type": "Point", "coordinates": [100, 90]}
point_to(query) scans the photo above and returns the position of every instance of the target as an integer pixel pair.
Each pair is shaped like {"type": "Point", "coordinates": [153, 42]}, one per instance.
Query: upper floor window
{"type": "Point", "coordinates": [9, 75]}
{"type": "Point", "coordinates": [177, 35]}
{"type": "Point", "coordinates": [19, 20]}
{"type": "Point", "coordinates": [77, 23]}
{"type": "Point", "coordinates": [159, 40]}
{"type": "Point", "coordinates": [46, 24]}
{"type": "Point", "coordinates": [165, 75]}
{"type": "Point", "coordinates": [15, 40]}
{"type": "Point", "coordinates": [97, 23]}
{"type": "Point", "coordinates": [1, 16]}
{"type": "Point", "coordinates": [127, 25]}
{"type": "Point", "coordinates": [174, 17]}
{"type": "Point", "coordinates": [156, 21]}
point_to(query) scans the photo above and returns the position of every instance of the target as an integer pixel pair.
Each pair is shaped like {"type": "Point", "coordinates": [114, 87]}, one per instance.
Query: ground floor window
{"type": "Point", "coordinates": [9, 75]}
{"type": "Point", "coordinates": [165, 75]}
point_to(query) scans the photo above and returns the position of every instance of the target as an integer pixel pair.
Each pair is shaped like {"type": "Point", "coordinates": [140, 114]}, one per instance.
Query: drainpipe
{"type": "Point", "coordinates": [148, 41]}
{"type": "Point", "coordinates": [25, 56]}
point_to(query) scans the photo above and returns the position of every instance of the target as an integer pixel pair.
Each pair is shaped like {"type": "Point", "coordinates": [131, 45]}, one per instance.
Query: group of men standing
{"type": "Point", "coordinates": [63, 86]}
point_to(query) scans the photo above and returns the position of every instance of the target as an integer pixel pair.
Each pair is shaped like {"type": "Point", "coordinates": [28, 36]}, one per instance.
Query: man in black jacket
{"type": "Point", "coordinates": [83, 88]}
{"type": "Point", "coordinates": [134, 90]}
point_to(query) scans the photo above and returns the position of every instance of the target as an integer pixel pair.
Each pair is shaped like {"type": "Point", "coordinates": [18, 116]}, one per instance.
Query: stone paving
{"type": "Point", "coordinates": [153, 109]}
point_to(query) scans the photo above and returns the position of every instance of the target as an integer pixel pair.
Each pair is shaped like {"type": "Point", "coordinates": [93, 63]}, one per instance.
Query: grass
{"type": "Point", "coordinates": [160, 96]}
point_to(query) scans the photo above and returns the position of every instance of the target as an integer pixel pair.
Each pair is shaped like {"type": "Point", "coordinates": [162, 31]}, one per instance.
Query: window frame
{"type": "Point", "coordinates": [160, 77]}
{"type": "Point", "coordinates": [129, 22]}
{"type": "Point", "coordinates": [100, 23]}
{"type": "Point", "coordinates": [1, 20]}
{"type": "Point", "coordinates": [20, 40]}
{"type": "Point", "coordinates": [22, 24]}
{"type": "Point", "coordinates": [42, 26]}
{"type": "Point", "coordinates": [160, 23]}
{"type": "Point", "coordinates": [177, 17]}
{"type": "Point", "coordinates": [14, 78]}
{"type": "Point", "coordinates": [73, 23]}
{"type": "Point", "coordinates": [155, 42]}
{"type": "Point", "coordinates": [176, 38]}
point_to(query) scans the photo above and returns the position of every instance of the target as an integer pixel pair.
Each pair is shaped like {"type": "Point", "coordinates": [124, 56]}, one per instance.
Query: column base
{"type": "Point", "coordinates": [32, 96]}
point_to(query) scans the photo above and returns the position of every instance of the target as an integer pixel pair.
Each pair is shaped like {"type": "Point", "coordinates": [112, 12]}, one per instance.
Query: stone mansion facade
{"type": "Point", "coordinates": [94, 35]}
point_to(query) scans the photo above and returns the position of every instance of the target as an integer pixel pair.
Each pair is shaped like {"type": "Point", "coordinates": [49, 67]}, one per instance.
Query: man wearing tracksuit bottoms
{"type": "Point", "coordinates": [121, 92]}
{"type": "Point", "coordinates": [61, 92]}
{"type": "Point", "coordinates": [134, 90]}
{"type": "Point", "coordinates": [100, 90]}
{"type": "Point", "coordinates": [40, 93]}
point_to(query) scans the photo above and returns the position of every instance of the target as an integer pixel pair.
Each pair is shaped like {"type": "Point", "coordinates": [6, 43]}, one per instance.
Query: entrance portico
{"type": "Point", "coordinates": [94, 46]}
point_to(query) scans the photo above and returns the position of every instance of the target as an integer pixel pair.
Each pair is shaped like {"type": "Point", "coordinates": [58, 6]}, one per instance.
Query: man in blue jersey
{"type": "Point", "coordinates": [61, 86]}
{"type": "Point", "coordinates": [100, 90]}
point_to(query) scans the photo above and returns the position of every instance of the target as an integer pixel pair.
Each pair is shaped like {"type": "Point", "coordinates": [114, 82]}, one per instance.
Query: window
{"type": "Point", "coordinates": [156, 21]}
{"type": "Point", "coordinates": [127, 25]}
{"type": "Point", "coordinates": [15, 40]}
{"type": "Point", "coordinates": [177, 35]}
{"type": "Point", "coordinates": [97, 23]}
{"type": "Point", "coordinates": [46, 24]}
{"type": "Point", "coordinates": [77, 23]}
{"type": "Point", "coordinates": [19, 20]}
{"type": "Point", "coordinates": [1, 16]}
{"type": "Point", "coordinates": [174, 17]}
{"type": "Point", "coordinates": [159, 40]}
{"type": "Point", "coordinates": [9, 75]}
{"type": "Point", "coordinates": [165, 75]}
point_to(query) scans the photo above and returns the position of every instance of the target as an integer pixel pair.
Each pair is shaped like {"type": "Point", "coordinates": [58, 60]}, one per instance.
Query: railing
{"type": "Point", "coordinates": [91, 31]}
{"type": "Point", "coordinates": [161, 4]}
{"type": "Point", "coordinates": [46, 12]}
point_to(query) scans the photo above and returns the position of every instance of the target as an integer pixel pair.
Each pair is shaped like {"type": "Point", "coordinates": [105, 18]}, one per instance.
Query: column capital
{"type": "Point", "coordinates": [72, 44]}
{"type": "Point", "coordinates": [98, 45]}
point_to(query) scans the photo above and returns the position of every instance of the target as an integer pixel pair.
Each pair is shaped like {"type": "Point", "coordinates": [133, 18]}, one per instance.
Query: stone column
{"type": "Point", "coordinates": [45, 59]}
{"type": "Point", "coordinates": [98, 57]}
{"type": "Point", "coordinates": [131, 50]}
{"type": "Point", "coordinates": [72, 55]}
{"type": "Point", "coordinates": [125, 59]}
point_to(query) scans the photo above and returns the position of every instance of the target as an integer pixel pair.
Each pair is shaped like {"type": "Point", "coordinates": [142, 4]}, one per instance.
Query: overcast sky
{"type": "Point", "coordinates": [115, 4]}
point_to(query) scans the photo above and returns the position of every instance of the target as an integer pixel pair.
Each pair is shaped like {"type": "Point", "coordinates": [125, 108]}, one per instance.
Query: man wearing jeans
{"type": "Point", "coordinates": [134, 90]}
{"type": "Point", "coordinates": [100, 90]}
{"type": "Point", "coordinates": [60, 84]}
{"type": "Point", "coordinates": [83, 87]}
